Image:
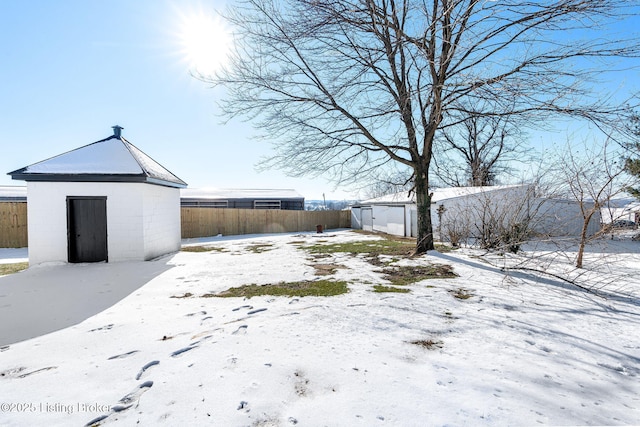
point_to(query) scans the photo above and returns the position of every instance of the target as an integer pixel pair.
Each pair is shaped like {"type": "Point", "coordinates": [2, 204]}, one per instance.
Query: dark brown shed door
{"type": "Point", "coordinates": [87, 229]}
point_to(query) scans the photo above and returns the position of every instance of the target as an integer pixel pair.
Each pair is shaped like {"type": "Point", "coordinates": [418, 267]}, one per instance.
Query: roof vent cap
{"type": "Point", "coordinates": [117, 130]}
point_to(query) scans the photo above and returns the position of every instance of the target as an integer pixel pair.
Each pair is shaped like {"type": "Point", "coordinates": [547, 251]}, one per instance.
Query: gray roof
{"type": "Point", "coordinates": [113, 159]}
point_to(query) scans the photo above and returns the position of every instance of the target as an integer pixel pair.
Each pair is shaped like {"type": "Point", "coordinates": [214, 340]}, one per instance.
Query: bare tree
{"type": "Point", "coordinates": [344, 87]}
{"type": "Point", "coordinates": [388, 182]}
{"type": "Point", "coordinates": [632, 165]}
{"type": "Point", "coordinates": [590, 176]}
{"type": "Point", "coordinates": [477, 150]}
{"type": "Point", "coordinates": [499, 219]}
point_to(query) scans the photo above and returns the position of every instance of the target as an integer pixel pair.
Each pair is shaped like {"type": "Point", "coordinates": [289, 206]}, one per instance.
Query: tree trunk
{"type": "Point", "coordinates": [583, 240]}
{"type": "Point", "coordinates": [424, 241]}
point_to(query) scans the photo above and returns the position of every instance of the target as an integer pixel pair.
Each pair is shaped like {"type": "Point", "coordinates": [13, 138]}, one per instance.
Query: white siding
{"type": "Point", "coordinates": [367, 218]}
{"type": "Point", "coordinates": [562, 218]}
{"type": "Point", "coordinates": [389, 219]}
{"type": "Point", "coordinates": [356, 218]}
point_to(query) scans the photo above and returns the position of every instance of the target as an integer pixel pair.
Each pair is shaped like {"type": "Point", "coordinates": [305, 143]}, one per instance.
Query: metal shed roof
{"type": "Point", "coordinates": [439, 194]}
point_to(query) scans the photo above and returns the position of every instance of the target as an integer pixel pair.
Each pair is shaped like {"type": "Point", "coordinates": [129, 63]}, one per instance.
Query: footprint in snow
{"type": "Point", "coordinates": [190, 346]}
{"type": "Point", "coordinates": [183, 350]}
{"type": "Point", "coordinates": [123, 404]}
{"type": "Point", "coordinates": [204, 313]}
{"type": "Point", "coordinates": [248, 307]}
{"type": "Point", "coordinates": [145, 367]}
{"type": "Point", "coordinates": [13, 372]}
{"type": "Point", "coordinates": [102, 328]}
{"type": "Point", "coordinates": [135, 394]}
{"type": "Point", "coordinates": [48, 368]}
{"type": "Point", "coordinates": [257, 311]}
{"type": "Point", "coordinates": [123, 355]}
{"type": "Point", "coordinates": [241, 330]}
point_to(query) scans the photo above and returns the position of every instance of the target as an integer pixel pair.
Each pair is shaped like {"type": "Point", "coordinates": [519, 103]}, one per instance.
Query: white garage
{"type": "Point", "coordinates": [104, 202]}
{"type": "Point", "coordinates": [397, 213]}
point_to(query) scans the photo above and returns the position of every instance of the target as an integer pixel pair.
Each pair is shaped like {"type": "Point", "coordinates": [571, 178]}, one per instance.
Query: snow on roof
{"type": "Point", "coordinates": [110, 159]}
{"type": "Point", "coordinates": [439, 194]}
{"type": "Point", "coordinates": [238, 193]}
{"type": "Point", "coordinates": [153, 168]}
{"type": "Point", "coordinates": [402, 198]}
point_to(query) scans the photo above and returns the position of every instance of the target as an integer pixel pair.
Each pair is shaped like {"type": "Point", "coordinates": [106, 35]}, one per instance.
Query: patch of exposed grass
{"type": "Point", "coordinates": [444, 248]}
{"type": "Point", "coordinates": [319, 288]}
{"type": "Point", "coordinates": [382, 288]}
{"type": "Point", "coordinates": [386, 235]}
{"type": "Point", "coordinates": [391, 246]}
{"type": "Point", "coordinates": [461, 293]}
{"type": "Point", "coordinates": [202, 249]}
{"type": "Point", "coordinates": [260, 247]}
{"type": "Point", "coordinates": [428, 344]}
{"type": "Point", "coordinates": [374, 248]}
{"type": "Point", "coordinates": [13, 267]}
{"type": "Point", "coordinates": [406, 275]}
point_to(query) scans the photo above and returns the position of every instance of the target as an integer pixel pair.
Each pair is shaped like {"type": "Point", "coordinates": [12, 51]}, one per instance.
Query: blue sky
{"type": "Point", "coordinates": [71, 69]}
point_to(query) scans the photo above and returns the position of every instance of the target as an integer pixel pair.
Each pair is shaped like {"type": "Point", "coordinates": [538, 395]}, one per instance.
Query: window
{"type": "Point", "coordinates": [266, 204]}
{"type": "Point", "coordinates": [204, 203]}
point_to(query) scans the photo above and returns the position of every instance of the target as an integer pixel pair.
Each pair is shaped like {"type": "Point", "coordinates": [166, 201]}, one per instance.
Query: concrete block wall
{"type": "Point", "coordinates": [161, 221]}
{"type": "Point", "coordinates": [143, 220]}
{"type": "Point", "coordinates": [47, 219]}
{"type": "Point", "coordinates": [125, 214]}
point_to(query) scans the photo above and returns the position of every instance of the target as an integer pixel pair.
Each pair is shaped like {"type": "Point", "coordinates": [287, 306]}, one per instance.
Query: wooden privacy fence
{"type": "Point", "coordinates": [13, 225]}
{"type": "Point", "coordinates": [198, 222]}
{"type": "Point", "coordinates": [203, 222]}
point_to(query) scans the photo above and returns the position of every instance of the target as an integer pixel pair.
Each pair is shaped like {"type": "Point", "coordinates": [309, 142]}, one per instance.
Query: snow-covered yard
{"type": "Point", "coordinates": [517, 349]}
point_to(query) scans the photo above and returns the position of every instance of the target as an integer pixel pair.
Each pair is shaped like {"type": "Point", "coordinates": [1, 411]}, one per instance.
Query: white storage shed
{"type": "Point", "coordinates": [106, 201]}
{"type": "Point", "coordinates": [397, 213]}
{"type": "Point", "coordinates": [468, 207]}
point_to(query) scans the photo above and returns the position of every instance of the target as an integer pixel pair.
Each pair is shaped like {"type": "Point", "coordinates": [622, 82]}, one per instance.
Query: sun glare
{"type": "Point", "coordinates": [205, 42]}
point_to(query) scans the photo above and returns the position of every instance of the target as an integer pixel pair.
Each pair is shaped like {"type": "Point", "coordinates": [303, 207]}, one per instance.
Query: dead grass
{"type": "Point", "coordinates": [382, 288]}
{"type": "Point", "coordinates": [461, 293]}
{"type": "Point", "coordinates": [444, 248]}
{"type": "Point", "coordinates": [185, 295]}
{"type": "Point", "coordinates": [406, 275]}
{"type": "Point", "coordinates": [202, 249]}
{"type": "Point", "coordinates": [326, 269]}
{"type": "Point", "coordinates": [428, 344]}
{"type": "Point", "coordinates": [290, 289]}
{"type": "Point", "coordinates": [393, 247]}
{"type": "Point", "coordinates": [260, 247]}
{"type": "Point", "coordinates": [13, 267]}
{"type": "Point", "coordinates": [372, 248]}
